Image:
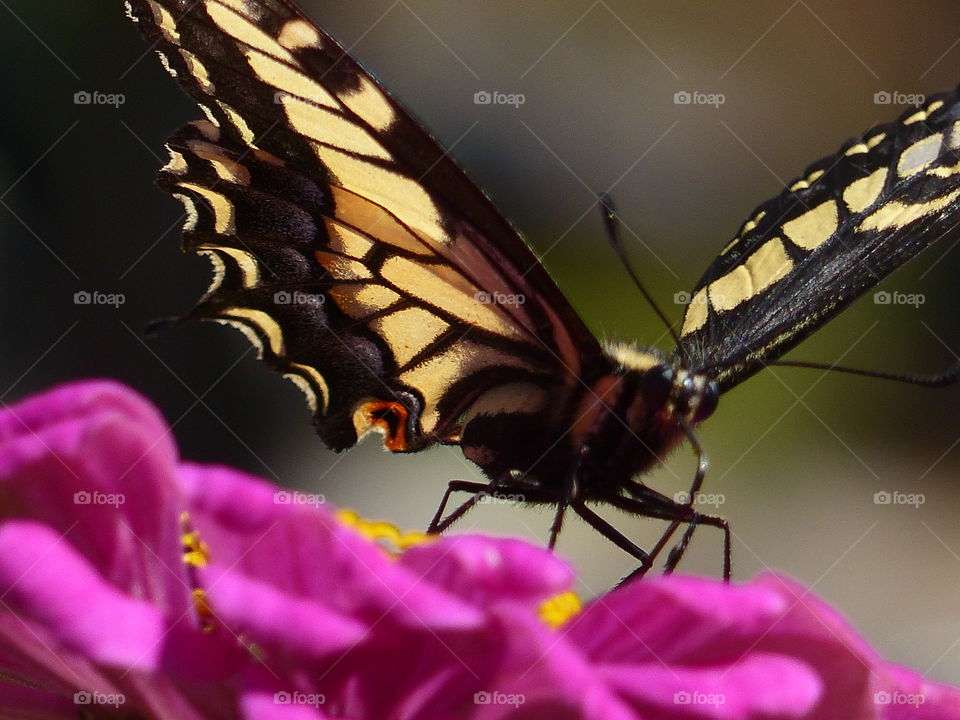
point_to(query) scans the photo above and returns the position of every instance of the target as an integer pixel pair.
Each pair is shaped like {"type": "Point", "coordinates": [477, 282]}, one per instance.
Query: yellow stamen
{"type": "Point", "coordinates": [383, 532]}
{"type": "Point", "coordinates": [560, 608]}
{"type": "Point", "coordinates": [202, 607]}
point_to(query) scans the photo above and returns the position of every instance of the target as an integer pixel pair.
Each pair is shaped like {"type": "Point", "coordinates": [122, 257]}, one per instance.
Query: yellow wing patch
{"type": "Point", "coordinates": [329, 128]}
{"type": "Point", "coordinates": [221, 206]}
{"type": "Point", "coordinates": [287, 79]}
{"type": "Point", "coordinates": [697, 312]}
{"type": "Point", "coordinates": [361, 301]}
{"type": "Point", "coordinates": [371, 104]}
{"type": "Point", "coordinates": [406, 198]}
{"type": "Point", "coordinates": [862, 193]}
{"type": "Point", "coordinates": [358, 212]}
{"type": "Point", "coordinates": [442, 286]}
{"type": "Point", "coordinates": [920, 155]}
{"type": "Point", "coordinates": [307, 378]}
{"type": "Point", "coordinates": [766, 266]}
{"type": "Point", "coordinates": [234, 23]}
{"type": "Point", "coordinates": [347, 241]}
{"type": "Point", "coordinates": [341, 268]}
{"type": "Point", "coordinates": [297, 34]}
{"type": "Point", "coordinates": [409, 331]}
{"type": "Point", "coordinates": [245, 262]}
{"type": "Point", "coordinates": [896, 215]}
{"type": "Point", "coordinates": [810, 230]}
{"type": "Point", "coordinates": [437, 375]}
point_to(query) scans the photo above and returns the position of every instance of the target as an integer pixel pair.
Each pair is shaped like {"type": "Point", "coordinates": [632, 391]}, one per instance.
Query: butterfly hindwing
{"type": "Point", "coordinates": [346, 244]}
{"type": "Point", "coordinates": [838, 230]}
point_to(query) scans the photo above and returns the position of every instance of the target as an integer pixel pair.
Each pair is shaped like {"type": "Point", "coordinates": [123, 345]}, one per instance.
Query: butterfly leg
{"type": "Point", "coordinates": [703, 463]}
{"type": "Point", "coordinates": [563, 502]}
{"type": "Point", "coordinates": [479, 490]}
{"type": "Point", "coordinates": [677, 551]}
{"type": "Point", "coordinates": [613, 535]}
{"type": "Point", "coordinates": [649, 503]}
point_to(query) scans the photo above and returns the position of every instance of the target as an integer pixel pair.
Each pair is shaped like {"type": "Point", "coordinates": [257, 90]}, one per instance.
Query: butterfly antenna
{"type": "Point", "coordinates": [948, 377]}
{"type": "Point", "coordinates": [612, 224]}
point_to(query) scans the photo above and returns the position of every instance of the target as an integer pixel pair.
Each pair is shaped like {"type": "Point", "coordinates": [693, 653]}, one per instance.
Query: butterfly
{"type": "Point", "coordinates": [368, 269]}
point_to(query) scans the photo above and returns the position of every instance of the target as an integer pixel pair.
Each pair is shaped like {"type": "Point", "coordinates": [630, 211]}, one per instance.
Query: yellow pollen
{"type": "Point", "coordinates": [383, 532]}
{"type": "Point", "coordinates": [560, 608]}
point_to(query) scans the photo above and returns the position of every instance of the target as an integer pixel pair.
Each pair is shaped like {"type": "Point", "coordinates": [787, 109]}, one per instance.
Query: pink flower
{"type": "Point", "coordinates": [135, 585]}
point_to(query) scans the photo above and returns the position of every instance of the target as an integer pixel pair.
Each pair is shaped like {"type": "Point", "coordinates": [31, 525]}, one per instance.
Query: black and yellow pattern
{"type": "Point", "coordinates": [835, 232]}
{"type": "Point", "coordinates": [369, 270]}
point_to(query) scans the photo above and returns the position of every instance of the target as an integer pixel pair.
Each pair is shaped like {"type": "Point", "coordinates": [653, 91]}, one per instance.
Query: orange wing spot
{"type": "Point", "coordinates": [389, 418]}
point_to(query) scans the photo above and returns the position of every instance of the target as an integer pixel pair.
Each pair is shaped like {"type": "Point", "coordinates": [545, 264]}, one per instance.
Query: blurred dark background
{"type": "Point", "coordinates": [797, 456]}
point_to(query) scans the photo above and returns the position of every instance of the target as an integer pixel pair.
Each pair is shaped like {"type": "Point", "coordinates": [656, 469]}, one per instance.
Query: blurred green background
{"type": "Point", "coordinates": [797, 456]}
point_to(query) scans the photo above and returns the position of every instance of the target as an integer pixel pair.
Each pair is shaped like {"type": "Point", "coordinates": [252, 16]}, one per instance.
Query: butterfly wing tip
{"type": "Point", "coordinates": [160, 325]}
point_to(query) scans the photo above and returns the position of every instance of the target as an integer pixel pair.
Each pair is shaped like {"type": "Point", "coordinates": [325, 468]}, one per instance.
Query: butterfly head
{"type": "Point", "coordinates": [666, 384]}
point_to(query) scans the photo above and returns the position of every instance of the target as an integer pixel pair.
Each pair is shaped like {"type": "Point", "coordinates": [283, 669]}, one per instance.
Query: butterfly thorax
{"type": "Point", "coordinates": [631, 417]}
{"type": "Point", "coordinates": [613, 423]}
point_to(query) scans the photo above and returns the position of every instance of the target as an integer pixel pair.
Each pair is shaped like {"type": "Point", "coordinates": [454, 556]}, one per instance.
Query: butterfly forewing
{"type": "Point", "coordinates": [346, 244]}
{"type": "Point", "coordinates": [838, 230]}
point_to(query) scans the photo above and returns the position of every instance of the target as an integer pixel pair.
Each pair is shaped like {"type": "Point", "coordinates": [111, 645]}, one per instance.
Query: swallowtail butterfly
{"type": "Point", "coordinates": [361, 261]}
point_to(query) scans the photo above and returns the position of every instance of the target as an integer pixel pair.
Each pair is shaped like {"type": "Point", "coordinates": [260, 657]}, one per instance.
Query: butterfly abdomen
{"type": "Point", "coordinates": [518, 428]}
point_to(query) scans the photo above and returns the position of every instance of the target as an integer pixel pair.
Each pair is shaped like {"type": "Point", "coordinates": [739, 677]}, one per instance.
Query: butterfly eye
{"type": "Point", "coordinates": [657, 385]}
{"type": "Point", "coordinates": [708, 401]}
{"type": "Point", "coordinates": [695, 398]}
{"type": "Point", "coordinates": [686, 394]}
